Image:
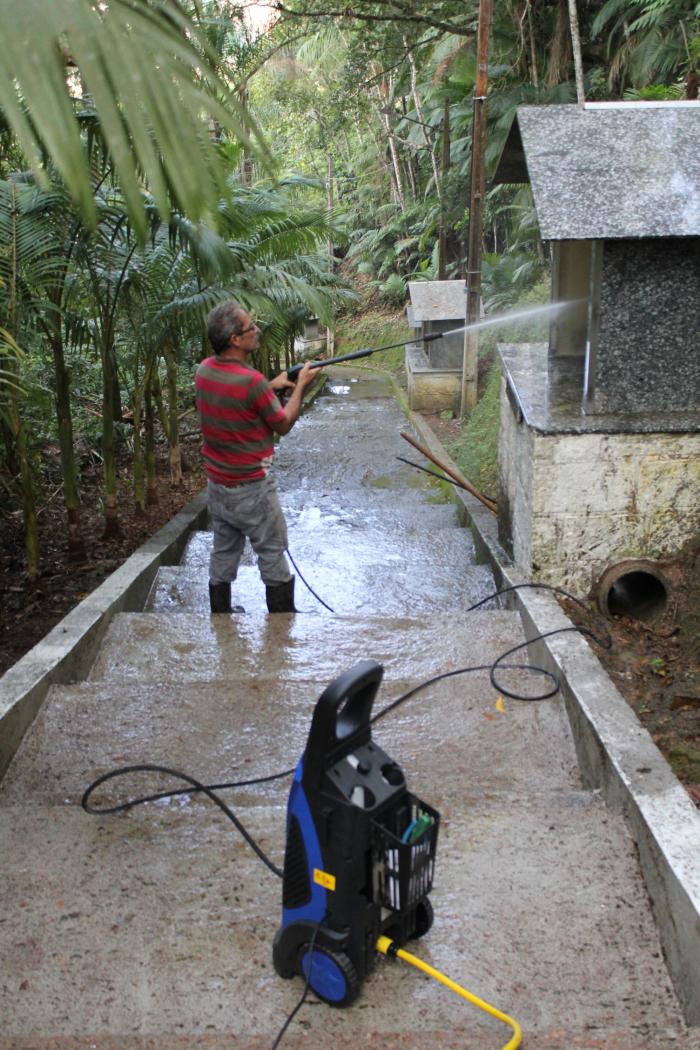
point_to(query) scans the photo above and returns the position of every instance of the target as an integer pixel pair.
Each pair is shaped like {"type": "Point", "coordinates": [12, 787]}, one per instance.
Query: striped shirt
{"type": "Point", "coordinates": [236, 406]}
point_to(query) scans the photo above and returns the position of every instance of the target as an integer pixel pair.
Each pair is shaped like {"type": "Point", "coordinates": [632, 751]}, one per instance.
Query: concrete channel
{"type": "Point", "coordinates": [566, 889]}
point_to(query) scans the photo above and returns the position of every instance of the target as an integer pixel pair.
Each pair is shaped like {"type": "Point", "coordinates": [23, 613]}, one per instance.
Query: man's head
{"type": "Point", "coordinates": [230, 327]}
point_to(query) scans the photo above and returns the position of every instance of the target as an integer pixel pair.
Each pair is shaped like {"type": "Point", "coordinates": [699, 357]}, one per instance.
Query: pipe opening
{"type": "Point", "coordinates": [634, 590]}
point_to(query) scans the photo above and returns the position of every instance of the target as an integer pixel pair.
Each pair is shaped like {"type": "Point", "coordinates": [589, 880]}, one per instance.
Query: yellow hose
{"type": "Point", "coordinates": [386, 946]}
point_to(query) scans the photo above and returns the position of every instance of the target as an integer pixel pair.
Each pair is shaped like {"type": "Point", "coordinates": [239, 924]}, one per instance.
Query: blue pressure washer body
{"type": "Point", "coordinates": [360, 850]}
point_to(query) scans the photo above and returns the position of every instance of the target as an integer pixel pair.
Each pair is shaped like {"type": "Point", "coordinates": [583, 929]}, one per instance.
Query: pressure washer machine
{"type": "Point", "coordinates": [360, 849]}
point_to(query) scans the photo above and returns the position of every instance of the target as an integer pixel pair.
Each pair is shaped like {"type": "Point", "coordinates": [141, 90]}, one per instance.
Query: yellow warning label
{"type": "Point", "coordinates": [324, 879]}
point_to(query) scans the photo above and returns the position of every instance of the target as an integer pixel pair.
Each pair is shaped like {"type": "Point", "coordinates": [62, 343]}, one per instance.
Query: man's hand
{"type": "Point", "coordinates": [305, 377]}
{"type": "Point", "coordinates": [292, 404]}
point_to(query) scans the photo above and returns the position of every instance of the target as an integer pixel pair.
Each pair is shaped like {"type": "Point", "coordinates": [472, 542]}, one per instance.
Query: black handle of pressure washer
{"type": "Point", "coordinates": [294, 371]}
{"type": "Point", "coordinates": [341, 719]}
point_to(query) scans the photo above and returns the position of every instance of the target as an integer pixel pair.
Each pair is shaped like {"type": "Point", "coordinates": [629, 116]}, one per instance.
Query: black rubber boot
{"type": "Point", "coordinates": [280, 598]}
{"type": "Point", "coordinates": [220, 599]}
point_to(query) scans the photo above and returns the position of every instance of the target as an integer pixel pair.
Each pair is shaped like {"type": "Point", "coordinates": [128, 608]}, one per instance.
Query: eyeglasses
{"type": "Point", "coordinates": [251, 328]}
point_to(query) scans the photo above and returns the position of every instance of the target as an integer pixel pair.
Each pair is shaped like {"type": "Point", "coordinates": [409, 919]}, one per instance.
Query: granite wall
{"type": "Point", "coordinates": [644, 344]}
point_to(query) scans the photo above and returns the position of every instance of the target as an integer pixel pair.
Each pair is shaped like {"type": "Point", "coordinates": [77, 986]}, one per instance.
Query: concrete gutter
{"type": "Point", "coordinates": [66, 653]}
{"type": "Point", "coordinates": [616, 755]}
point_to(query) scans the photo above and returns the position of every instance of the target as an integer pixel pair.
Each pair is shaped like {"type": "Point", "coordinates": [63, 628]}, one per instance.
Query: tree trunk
{"type": "Point", "coordinates": [385, 111]}
{"type": "Point", "coordinates": [71, 491]}
{"type": "Point", "coordinates": [31, 523]}
{"type": "Point", "coordinates": [476, 212]}
{"type": "Point", "coordinates": [429, 139]}
{"type": "Point", "coordinates": [411, 176]}
{"type": "Point", "coordinates": [576, 48]}
{"type": "Point", "coordinates": [150, 445]}
{"type": "Point", "coordinates": [30, 519]}
{"type": "Point", "coordinates": [109, 460]}
{"type": "Point", "coordinates": [139, 467]}
{"type": "Point", "coordinates": [534, 76]}
{"type": "Point", "coordinates": [172, 430]}
{"type": "Point", "coordinates": [330, 194]}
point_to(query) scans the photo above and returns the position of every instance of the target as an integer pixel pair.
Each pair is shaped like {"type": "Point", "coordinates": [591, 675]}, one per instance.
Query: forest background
{"type": "Point", "coordinates": [159, 156]}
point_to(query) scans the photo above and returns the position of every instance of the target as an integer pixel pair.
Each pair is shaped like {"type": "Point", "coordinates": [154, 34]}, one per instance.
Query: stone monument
{"type": "Point", "coordinates": [434, 369]}
{"type": "Point", "coordinates": [600, 428]}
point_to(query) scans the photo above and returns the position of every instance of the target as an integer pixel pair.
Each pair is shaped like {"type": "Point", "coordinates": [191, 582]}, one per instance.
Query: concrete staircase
{"type": "Point", "coordinates": [152, 930]}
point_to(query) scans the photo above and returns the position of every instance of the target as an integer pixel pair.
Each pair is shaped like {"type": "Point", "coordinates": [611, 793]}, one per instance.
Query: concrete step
{"type": "Point", "coordinates": [174, 648]}
{"type": "Point", "coordinates": [157, 926]}
{"type": "Point", "coordinates": [221, 731]}
{"type": "Point", "coordinates": [348, 581]}
{"type": "Point", "coordinates": [317, 522]}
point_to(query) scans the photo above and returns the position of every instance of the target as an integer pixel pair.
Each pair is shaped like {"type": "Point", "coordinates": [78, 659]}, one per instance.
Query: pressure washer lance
{"type": "Point", "coordinates": [488, 322]}
{"type": "Point", "coordinates": [294, 371]}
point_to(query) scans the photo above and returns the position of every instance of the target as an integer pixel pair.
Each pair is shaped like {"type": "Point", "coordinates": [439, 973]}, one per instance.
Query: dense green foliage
{"type": "Point", "coordinates": [385, 92]}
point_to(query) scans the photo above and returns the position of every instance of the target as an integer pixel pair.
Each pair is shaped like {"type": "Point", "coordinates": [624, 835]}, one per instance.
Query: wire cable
{"type": "Point", "coordinates": [307, 985]}
{"type": "Point", "coordinates": [196, 784]}
{"type": "Point", "coordinates": [306, 583]}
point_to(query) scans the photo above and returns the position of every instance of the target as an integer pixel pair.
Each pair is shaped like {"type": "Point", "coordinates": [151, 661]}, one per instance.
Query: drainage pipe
{"type": "Point", "coordinates": [636, 588]}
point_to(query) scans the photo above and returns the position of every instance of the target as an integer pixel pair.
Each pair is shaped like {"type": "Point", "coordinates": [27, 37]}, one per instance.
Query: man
{"type": "Point", "coordinates": [239, 412]}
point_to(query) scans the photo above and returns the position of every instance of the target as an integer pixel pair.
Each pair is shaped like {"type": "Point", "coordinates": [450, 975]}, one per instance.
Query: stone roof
{"type": "Point", "coordinates": [437, 301]}
{"type": "Point", "coordinates": [608, 170]}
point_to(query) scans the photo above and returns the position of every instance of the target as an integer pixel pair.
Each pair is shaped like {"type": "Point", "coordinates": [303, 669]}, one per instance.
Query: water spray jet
{"type": "Point", "coordinates": [488, 322]}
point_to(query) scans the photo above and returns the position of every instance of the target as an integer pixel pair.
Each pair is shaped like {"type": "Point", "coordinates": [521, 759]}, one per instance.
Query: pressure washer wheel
{"type": "Point", "coordinates": [424, 919]}
{"type": "Point", "coordinates": [333, 976]}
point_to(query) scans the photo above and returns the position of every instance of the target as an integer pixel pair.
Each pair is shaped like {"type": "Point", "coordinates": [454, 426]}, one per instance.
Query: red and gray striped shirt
{"type": "Point", "coordinates": [236, 406]}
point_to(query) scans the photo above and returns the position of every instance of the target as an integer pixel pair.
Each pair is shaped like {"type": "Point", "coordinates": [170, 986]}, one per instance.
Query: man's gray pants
{"type": "Point", "coordinates": [252, 510]}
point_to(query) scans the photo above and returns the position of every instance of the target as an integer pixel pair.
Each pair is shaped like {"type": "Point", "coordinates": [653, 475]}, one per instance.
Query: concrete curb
{"type": "Point", "coordinates": [616, 755]}
{"type": "Point", "coordinates": [66, 653]}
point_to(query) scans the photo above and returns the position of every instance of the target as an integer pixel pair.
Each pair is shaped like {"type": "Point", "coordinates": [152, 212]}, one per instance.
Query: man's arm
{"type": "Point", "coordinates": [292, 409]}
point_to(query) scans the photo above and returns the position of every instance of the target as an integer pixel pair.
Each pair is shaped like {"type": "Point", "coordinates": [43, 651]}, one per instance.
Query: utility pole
{"type": "Point", "coordinates": [442, 245]}
{"type": "Point", "coordinates": [476, 211]}
{"type": "Point", "coordinates": [330, 337]}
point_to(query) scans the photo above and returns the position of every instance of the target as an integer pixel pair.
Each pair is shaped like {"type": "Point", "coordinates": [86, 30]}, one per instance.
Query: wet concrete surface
{"type": "Point", "coordinates": [160, 921]}
{"type": "Point", "coordinates": [227, 730]}
{"type": "Point", "coordinates": [152, 930]}
{"type": "Point", "coordinates": [174, 647]}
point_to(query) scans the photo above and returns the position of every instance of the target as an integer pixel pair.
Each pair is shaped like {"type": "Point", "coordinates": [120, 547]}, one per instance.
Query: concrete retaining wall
{"type": "Point", "coordinates": [431, 389]}
{"type": "Point", "coordinates": [574, 504]}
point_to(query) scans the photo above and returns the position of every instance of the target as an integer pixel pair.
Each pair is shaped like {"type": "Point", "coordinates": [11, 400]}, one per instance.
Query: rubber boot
{"type": "Point", "coordinates": [220, 599]}
{"type": "Point", "coordinates": [280, 597]}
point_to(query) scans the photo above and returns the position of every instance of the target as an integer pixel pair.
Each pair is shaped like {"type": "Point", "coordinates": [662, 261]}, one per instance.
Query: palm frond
{"type": "Point", "coordinates": [154, 91]}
